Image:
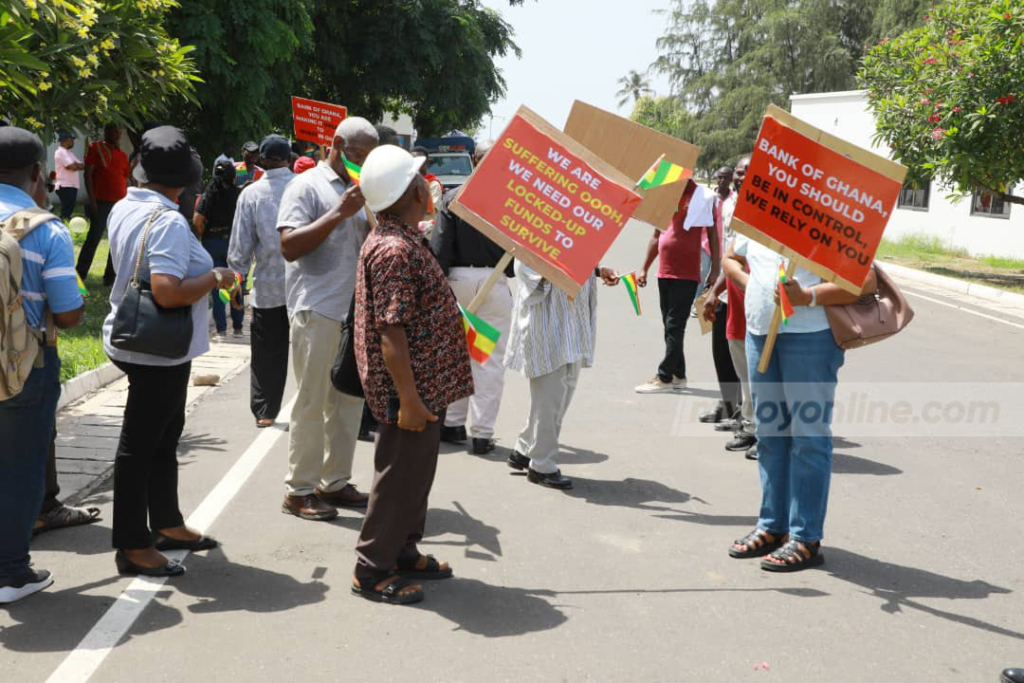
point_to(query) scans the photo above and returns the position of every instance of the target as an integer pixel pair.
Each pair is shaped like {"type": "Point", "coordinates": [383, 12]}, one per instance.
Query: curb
{"type": "Point", "coordinates": [958, 286]}
{"type": "Point", "coordinates": [86, 383]}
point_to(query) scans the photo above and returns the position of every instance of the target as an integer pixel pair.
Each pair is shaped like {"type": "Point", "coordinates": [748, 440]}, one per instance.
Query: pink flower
{"type": "Point", "coordinates": [934, 118]}
{"type": "Point", "coordinates": [937, 133]}
{"type": "Point", "coordinates": [1008, 16]}
{"type": "Point", "coordinates": [930, 60]}
{"type": "Point", "coordinates": [956, 110]}
{"type": "Point", "coordinates": [925, 101]}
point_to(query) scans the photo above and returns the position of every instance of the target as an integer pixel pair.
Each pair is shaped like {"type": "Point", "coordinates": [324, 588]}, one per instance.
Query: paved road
{"type": "Point", "coordinates": [624, 578]}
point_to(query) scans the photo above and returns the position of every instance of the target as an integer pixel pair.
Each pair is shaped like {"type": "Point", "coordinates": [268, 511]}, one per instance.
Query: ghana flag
{"type": "Point", "coordinates": [787, 308]}
{"type": "Point", "coordinates": [81, 286]}
{"type": "Point", "coordinates": [480, 334]}
{"type": "Point", "coordinates": [663, 172]}
{"type": "Point", "coordinates": [353, 169]}
{"type": "Point", "coordinates": [629, 281]}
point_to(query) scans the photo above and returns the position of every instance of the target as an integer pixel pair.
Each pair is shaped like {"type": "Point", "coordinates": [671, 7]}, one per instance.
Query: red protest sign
{"type": "Point", "coordinates": [817, 198]}
{"type": "Point", "coordinates": [547, 200]}
{"type": "Point", "coordinates": [315, 121]}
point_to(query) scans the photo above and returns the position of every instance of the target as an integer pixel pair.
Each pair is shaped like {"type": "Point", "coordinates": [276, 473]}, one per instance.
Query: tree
{"type": "Point", "coordinates": [251, 55]}
{"type": "Point", "coordinates": [634, 85]}
{"type": "Point", "coordinates": [948, 97]}
{"type": "Point", "coordinates": [78, 64]}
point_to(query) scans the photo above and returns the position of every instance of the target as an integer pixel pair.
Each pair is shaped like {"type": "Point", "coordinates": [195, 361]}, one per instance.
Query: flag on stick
{"type": "Point", "coordinates": [787, 308]}
{"type": "Point", "coordinates": [353, 169]}
{"type": "Point", "coordinates": [663, 172]}
{"type": "Point", "coordinates": [226, 294]}
{"type": "Point", "coordinates": [81, 286]}
{"type": "Point", "coordinates": [480, 334]}
{"type": "Point", "coordinates": [629, 280]}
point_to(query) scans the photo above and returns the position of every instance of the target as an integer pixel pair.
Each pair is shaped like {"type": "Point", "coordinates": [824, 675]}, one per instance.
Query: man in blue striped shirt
{"type": "Point", "coordinates": [48, 282]}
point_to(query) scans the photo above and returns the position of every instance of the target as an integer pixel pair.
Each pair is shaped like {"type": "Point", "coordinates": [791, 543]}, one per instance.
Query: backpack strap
{"type": "Point", "coordinates": [19, 225]}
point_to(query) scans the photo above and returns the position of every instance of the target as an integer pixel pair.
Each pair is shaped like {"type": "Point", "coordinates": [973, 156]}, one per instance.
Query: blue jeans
{"type": "Point", "coordinates": [793, 403]}
{"type": "Point", "coordinates": [218, 250]}
{"type": "Point", "coordinates": [26, 426]}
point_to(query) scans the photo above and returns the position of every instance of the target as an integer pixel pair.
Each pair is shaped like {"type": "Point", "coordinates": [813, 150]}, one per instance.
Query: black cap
{"type": "Point", "coordinates": [250, 146]}
{"type": "Point", "coordinates": [276, 147]}
{"type": "Point", "coordinates": [165, 157]}
{"type": "Point", "coordinates": [19, 148]}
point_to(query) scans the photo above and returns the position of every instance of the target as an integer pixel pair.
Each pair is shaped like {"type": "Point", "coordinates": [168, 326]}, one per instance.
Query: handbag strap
{"type": "Point", "coordinates": [134, 282]}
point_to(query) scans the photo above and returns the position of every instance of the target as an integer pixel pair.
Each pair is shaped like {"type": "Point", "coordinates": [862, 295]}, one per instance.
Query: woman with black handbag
{"type": "Point", "coordinates": [158, 323]}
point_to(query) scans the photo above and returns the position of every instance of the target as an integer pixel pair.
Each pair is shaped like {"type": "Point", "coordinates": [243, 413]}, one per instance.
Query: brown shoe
{"type": "Point", "coordinates": [347, 496]}
{"type": "Point", "coordinates": [308, 507]}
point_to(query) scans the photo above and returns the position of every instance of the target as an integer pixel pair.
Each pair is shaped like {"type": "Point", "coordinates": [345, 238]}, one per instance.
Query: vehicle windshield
{"type": "Point", "coordinates": [456, 164]}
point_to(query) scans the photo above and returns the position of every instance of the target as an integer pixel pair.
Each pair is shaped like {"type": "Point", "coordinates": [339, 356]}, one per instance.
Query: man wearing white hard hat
{"type": "Point", "coordinates": [322, 226]}
{"type": "Point", "coordinates": [414, 362]}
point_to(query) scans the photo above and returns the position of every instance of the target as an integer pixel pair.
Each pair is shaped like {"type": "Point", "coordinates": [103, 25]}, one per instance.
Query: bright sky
{"type": "Point", "coordinates": [575, 49]}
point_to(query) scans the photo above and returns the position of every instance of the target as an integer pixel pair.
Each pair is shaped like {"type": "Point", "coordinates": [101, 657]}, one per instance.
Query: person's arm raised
{"type": "Point", "coordinates": [297, 242]}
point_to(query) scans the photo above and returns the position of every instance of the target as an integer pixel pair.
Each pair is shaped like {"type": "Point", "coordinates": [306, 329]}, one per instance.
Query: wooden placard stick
{"type": "Point", "coordinates": [489, 283]}
{"type": "Point", "coordinates": [773, 330]}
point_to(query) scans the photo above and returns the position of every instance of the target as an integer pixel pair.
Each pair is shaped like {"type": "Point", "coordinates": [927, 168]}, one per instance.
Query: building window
{"type": "Point", "coordinates": [990, 204]}
{"type": "Point", "coordinates": [914, 198]}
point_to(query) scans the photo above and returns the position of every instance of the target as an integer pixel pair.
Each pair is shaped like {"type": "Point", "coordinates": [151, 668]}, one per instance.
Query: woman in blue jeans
{"type": "Point", "coordinates": [793, 402]}
{"type": "Point", "coordinates": [213, 219]}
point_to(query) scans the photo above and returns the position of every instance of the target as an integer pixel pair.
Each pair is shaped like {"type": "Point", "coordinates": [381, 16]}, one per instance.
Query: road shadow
{"type": "Point", "coordinates": [475, 533]}
{"type": "Point", "coordinates": [492, 611]}
{"type": "Point", "coordinates": [220, 585]}
{"type": "Point", "coordinates": [711, 520]}
{"type": "Point", "coordinates": [87, 539]}
{"type": "Point", "coordinates": [899, 587]}
{"type": "Point", "coordinates": [840, 442]}
{"type": "Point", "coordinates": [640, 494]}
{"type": "Point", "coordinates": [190, 441]}
{"type": "Point", "coordinates": [843, 463]}
{"type": "Point", "coordinates": [57, 620]}
{"type": "Point", "coordinates": [579, 456]}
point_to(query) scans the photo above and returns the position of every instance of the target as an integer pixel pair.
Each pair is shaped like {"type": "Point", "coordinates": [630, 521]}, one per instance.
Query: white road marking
{"type": "Point", "coordinates": [965, 309]}
{"type": "Point", "coordinates": [82, 662]}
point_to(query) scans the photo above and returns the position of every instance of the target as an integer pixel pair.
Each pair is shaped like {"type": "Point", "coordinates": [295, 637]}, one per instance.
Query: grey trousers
{"type": "Point", "coordinates": [738, 351]}
{"type": "Point", "coordinates": [550, 396]}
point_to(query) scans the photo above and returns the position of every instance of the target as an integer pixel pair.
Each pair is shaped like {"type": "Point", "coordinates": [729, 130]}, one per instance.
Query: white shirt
{"type": "Point", "coordinates": [760, 293]}
{"type": "Point", "coordinates": [254, 235]}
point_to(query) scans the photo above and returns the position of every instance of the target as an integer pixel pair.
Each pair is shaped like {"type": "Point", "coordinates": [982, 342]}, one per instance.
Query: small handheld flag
{"type": "Point", "coordinates": [663, 172]}
{"type": "Point", "coordinates": [787, 308]}
{"type": "Point", "coordinates": [81, 286]}
{"type": "Point", "coordinates": [227, 294]}
{"type": "Point", "coordinates": [353, 169]}
{"type": "Point", "coordinates": [629, 280]}
{"type": "Point", "coordinates": [480, 334]}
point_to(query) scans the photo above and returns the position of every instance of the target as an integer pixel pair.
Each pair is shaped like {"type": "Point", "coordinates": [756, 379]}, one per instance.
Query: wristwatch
{"type": "Point", "coordinates": [217, 276]}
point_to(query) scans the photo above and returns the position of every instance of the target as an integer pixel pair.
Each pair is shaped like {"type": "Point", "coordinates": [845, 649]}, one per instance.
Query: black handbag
{"type": "Point", "coordinates": [141, 325]}
{"type": "Point", "coordinates": [345, 371]}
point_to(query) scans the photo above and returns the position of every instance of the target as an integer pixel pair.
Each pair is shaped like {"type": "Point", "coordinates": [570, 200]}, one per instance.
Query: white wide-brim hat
{"type": "Point", "coordinates": [386, 175]}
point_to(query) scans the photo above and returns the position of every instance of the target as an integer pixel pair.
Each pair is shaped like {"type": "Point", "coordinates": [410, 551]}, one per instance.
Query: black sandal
{"type": "Point", "coordinates": [432, 570]}
{"type": "Point", "coordinates": [795, 555]}
{"type": "Point", "coordinates": [64, 516]}
{"type": "Point", "coordinates": [391, 593]}
{"type": "Point", "coordinates": [757, 543]}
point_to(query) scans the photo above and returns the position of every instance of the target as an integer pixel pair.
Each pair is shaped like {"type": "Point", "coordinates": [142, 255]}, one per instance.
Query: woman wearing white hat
{"type": "Point", "coordinates": [414, 362]}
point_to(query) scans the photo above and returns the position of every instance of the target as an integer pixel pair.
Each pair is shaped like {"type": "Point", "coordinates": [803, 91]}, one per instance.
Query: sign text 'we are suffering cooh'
{"type": "Point", "coordinates": [547, 200]}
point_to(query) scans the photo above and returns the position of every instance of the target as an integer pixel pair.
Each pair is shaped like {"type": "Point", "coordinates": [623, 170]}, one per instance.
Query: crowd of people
{"type": "Point", "coordinates": [338, 259]}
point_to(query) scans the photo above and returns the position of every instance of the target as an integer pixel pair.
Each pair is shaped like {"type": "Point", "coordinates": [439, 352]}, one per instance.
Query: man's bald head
{"type": "Point", "coordinates": [21, 156]}
{"type": "Point", "coordinates": [355, 137]}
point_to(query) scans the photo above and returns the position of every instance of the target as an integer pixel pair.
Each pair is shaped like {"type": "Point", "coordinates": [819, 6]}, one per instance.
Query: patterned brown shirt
{"type": "Point", "coordinates": [399, 282]}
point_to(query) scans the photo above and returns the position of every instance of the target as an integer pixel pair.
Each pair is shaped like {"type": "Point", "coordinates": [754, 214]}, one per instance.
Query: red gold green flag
{"type": "Point", "coordinates": [663, 172]}
{"type": "Point", "coordinates": [353, 170]}
{"type": "Point", "coordinates": [787, 308]}
{"type": "Point", "coordinates": [480, 334]}
{"type": "Point", "coordinates": [629, 280]}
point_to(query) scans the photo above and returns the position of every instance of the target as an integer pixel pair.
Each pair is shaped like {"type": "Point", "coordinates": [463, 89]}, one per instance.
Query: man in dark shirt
{"type": "Point", "coordinates": [468, 258]}
{"type": "Point", "coordinates": [414, 362]}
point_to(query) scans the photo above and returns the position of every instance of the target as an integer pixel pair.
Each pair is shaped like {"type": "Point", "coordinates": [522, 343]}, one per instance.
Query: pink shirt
{"type": "Point", "coordinates": [62, 158]}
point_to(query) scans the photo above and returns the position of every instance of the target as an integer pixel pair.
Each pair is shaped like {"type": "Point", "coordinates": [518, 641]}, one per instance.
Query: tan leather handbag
{"type": "Point", "coordinates": [875, 317]}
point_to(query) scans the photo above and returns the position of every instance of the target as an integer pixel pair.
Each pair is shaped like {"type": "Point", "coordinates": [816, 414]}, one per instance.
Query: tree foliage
{"type": "Point", "coordinates": [728, 59]}
{"type": "Point", "coordinates": [634, 86]}
{"type": "Point", "coordinates": [78, 64]}
{"type": "Point", "coordinates": [948, 97]}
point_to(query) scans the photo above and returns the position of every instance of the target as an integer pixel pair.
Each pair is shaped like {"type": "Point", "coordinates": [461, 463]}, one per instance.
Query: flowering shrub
{"type": "Point", "coordinates": [81, 63]}
{"type": "Point", "coordinates": [947, 96]}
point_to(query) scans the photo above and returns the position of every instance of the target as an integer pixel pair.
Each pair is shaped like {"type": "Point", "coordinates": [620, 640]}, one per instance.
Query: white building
{"type": "Point", "coordinates": [981, 224]}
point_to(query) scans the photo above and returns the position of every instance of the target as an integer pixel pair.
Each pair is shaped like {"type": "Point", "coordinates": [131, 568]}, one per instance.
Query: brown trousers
{"type": "Point", "coordinates": [404, 465]}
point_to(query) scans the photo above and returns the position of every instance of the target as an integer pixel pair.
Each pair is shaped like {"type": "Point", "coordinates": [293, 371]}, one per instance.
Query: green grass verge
{"type": "Point", "coordinates": [81, 348]}
{"type": "Point", "coordinates": [927, 252]}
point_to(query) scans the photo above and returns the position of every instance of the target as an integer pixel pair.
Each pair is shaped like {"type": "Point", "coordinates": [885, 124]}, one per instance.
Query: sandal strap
{"type": "Point", "coordinates": [758, 538]}
{"type": "Point", "coordinates": [794, 552]}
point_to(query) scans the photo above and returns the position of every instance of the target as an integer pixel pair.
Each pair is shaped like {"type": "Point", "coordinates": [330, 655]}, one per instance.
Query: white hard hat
{"type": "Point", "coordinates": [386, 175]}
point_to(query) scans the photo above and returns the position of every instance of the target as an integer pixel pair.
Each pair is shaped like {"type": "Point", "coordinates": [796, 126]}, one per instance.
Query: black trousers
{"type": "Point", "coordinates": [268, 335]}
{"type": "Point", "coordinates": [676, 302]}
{"type": "Point", "coordinates": [97, 226]}
{"type": "Point", "coordinates": [146, 464]}
{"type": "Point", "coordinates": [67, 196]}
{"type": "Point", "coordinates": [404, 465]}
{"type": "Point", "coordinates": [50, 501]}
{"type": "Point", "coordinates": [728, 380]}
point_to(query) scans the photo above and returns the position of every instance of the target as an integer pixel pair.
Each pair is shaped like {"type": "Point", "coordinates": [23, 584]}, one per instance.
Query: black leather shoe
{"type": "Point", "coordinates": [518, 461]}
{"type": "Point", "coordinates": [751, 453]}
{"type": "Point", "coordinates": [483, 446]}
{"type": "Point", "coordinates": [713, 416]}
{"type": "Point", "coordinates": [126, 566]}
{"type": "Point", "coordinates": [741, 442]}
{"type": "Point", "coordinates": [453, 434]}
{"type": "Point", "coordinates": [162, 542]}
{"type": "Point", "coordinates": [1012, 676]}
{"type": "Point", "coordinates": [555, 480]}
{"type": "Point", "coordinates": [728, 426]}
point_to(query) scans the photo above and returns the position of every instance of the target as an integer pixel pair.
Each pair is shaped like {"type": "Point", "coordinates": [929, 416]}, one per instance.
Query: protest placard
{"type": "Point", "coordinates": [820, 201]}
{"type": "Point", "coordinates": [631, 148]}
{"type": "Point", "coordinates": [547, 200]}
{"type": "Point", "coordinates": [315, 121]}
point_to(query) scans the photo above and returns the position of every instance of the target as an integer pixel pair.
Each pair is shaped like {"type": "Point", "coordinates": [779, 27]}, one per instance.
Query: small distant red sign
{"type": "Point", "coordinates": [315, 121]}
